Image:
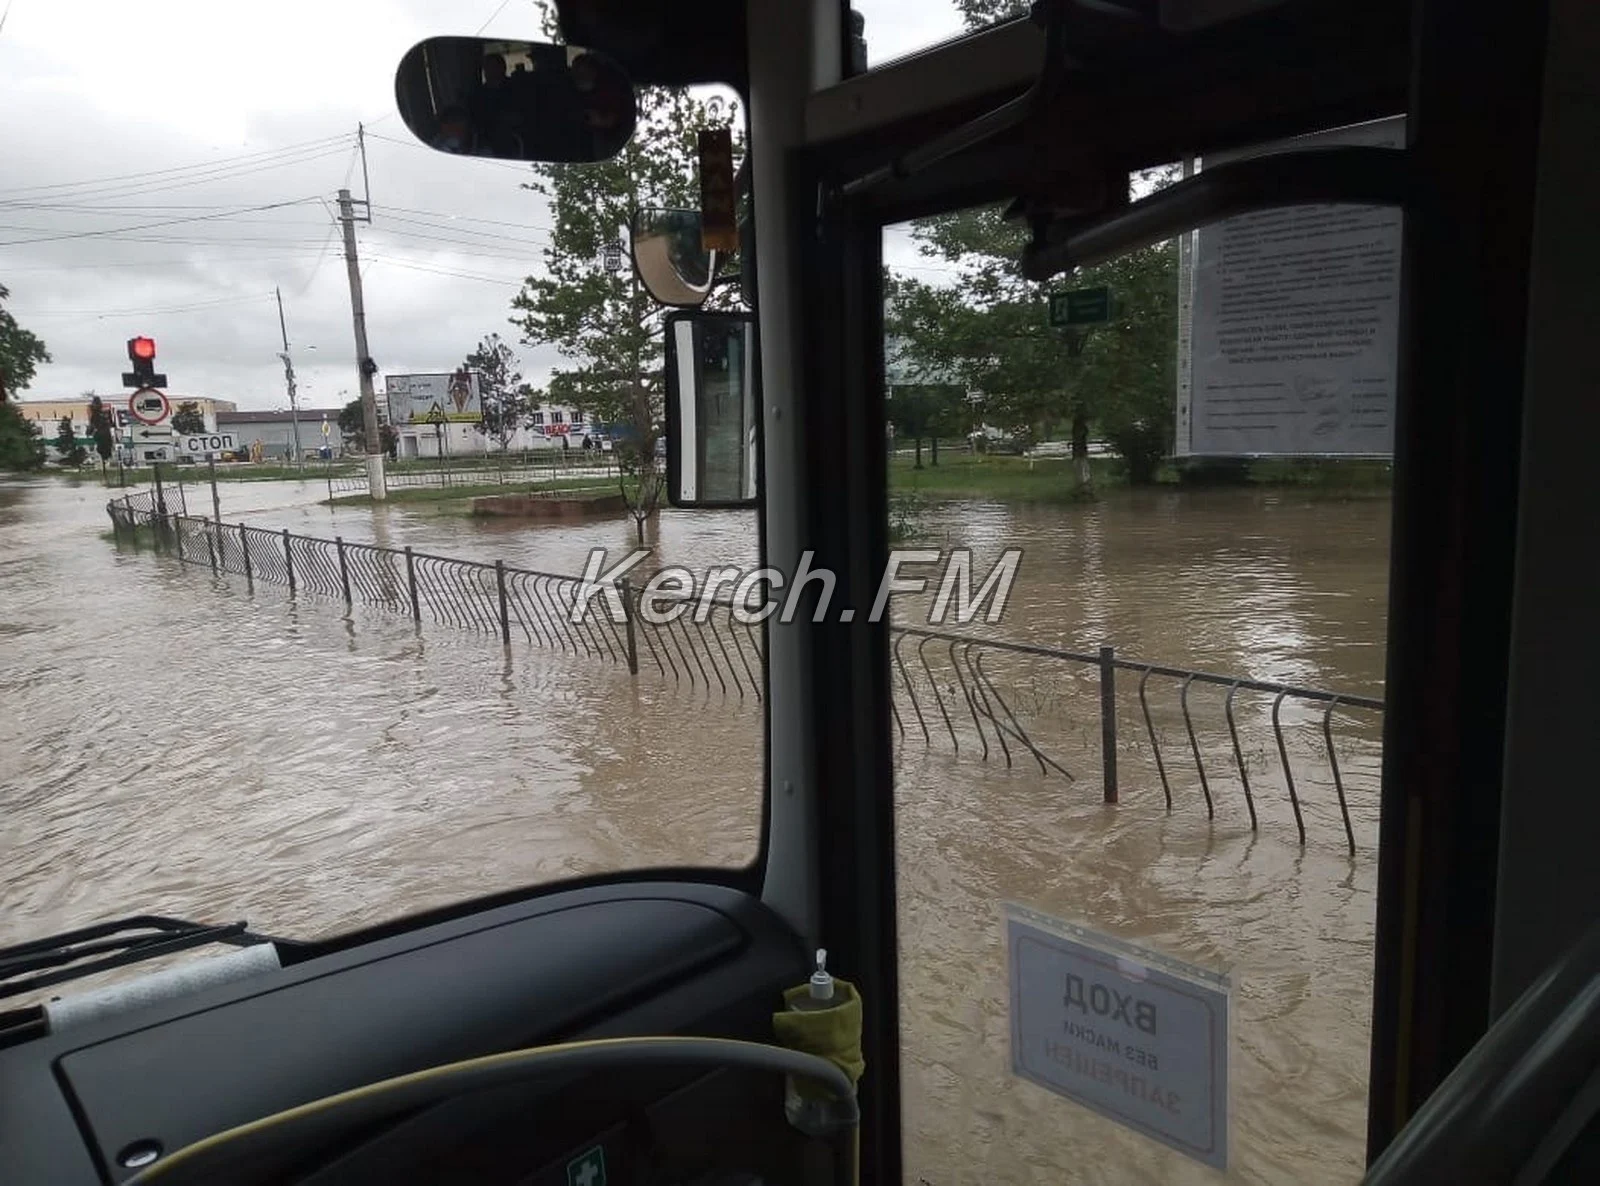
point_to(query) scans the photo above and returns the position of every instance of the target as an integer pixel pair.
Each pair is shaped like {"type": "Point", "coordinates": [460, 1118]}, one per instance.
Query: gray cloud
{"type": "Point", "coordinates": [197, 111]}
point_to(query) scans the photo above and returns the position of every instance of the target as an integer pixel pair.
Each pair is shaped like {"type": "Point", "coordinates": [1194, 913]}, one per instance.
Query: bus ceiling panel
{"type": "Point", "coordinates": [687, 43]}
{"type": "Point", "coordinates": [1362, 176]}
{"type": "Point", "coordinates": [1301, 67]}
{"type": "Point", "coordinates": [1002, 61]}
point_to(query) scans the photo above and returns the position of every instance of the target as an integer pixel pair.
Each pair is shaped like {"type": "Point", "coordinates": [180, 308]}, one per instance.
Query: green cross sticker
{"type": "Point", "coordinates": [588, 1169]}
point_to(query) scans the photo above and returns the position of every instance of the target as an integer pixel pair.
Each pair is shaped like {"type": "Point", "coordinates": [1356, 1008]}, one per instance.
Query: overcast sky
{"type": "Point", "coordinates": [140, 139]}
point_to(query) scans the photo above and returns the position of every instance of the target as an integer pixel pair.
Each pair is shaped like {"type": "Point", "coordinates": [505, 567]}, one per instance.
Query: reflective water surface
{"type": "Point", "coordinates": [183, 744]}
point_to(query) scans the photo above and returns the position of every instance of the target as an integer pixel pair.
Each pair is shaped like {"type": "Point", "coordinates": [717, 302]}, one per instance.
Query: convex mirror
{"type": "Point", "coordinates": [712, 410]}
{"type": "Point", "coordinates": [675, 269]}
{"type": "Point", "coordinates": [515, 100]}
{"type": "Point", "coordinates": [672, 265]}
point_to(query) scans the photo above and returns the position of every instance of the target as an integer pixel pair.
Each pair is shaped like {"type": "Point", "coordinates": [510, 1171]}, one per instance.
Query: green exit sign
{"type": "Point", "coordinates": [1083, 306]}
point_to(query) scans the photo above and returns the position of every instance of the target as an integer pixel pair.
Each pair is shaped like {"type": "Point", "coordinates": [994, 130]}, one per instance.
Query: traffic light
{"type": "Point", "coordinates": [142, 354]}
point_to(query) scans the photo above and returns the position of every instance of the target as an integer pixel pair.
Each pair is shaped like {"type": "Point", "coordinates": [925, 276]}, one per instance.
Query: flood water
{"type": "Point", "coordinates": [183, 744]}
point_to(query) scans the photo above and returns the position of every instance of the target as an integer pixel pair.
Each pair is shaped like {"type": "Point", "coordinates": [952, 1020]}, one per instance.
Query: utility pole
{"type": "Point", "coordinates": [288, 378]}
{"type": "Point", "coordinates": [365, 367]}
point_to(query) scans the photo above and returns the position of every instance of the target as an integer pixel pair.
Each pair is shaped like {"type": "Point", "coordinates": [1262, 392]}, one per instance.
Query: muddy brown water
{"type": "Point", "coordinates": [180, 743]}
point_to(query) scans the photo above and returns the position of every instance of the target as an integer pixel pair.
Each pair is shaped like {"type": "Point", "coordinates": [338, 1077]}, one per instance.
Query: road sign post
{"type": "Point", "coordinates": [216, 501]}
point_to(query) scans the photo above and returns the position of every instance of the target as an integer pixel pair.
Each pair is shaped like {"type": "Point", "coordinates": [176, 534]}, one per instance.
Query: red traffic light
{"type": "Point", "coordinates": [142, 349]}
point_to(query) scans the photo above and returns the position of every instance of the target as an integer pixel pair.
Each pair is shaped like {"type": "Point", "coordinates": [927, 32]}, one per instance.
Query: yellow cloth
{"type": "Point", "coordinates": [833, 1033]}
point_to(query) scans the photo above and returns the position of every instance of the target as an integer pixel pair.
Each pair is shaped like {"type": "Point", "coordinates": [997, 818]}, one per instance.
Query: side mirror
{"type": "Point", "coordinates": [674, 269]}
{"type": "Point", "coordinates": [515, 100]}
{"type": "Point", "coordinates": [713, 410]}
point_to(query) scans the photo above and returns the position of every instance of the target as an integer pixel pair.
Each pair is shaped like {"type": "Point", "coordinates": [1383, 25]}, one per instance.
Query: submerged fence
{"type": "Point", "coordinates": [976, 693]}
{"type": "Point", "coordinates": [483, 470]}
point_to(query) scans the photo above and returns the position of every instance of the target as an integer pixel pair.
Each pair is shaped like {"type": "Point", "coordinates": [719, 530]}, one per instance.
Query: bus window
{"type": "Point", "coordinates": [1139, 702]}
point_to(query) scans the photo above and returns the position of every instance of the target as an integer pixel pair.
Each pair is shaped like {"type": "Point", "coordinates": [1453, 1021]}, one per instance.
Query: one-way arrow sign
{"type": "Point", "coordinates": [150, 434]}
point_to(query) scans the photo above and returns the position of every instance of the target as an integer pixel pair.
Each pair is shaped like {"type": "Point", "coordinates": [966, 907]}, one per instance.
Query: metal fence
{"type": "Point", "coordinates": [480, 470]}
{"type": "Point", "coordinates": [951, 688]}
{"type": "Point", "coordinates": [1005, 701]}
{"type": "Point", "coordinates": [710, 647]}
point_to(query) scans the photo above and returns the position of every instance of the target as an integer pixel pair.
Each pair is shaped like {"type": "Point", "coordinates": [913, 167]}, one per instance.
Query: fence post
{"type": "Point", "coordinates": [626, 588]}
{"type": "Point", "coordinates": [505, 616]}
{"type": "Point", "coordinates": [176, 523]}
{"type": "Point", "coordinates": [344, 567]}
{"type": "Point", "coordinates": [411, 583]}
{"type": "Point", "coordinates": [1108, 722]}
{"type": "Point", "coordinates": [288, 560]}
{"type": "Point", "coordinates": [213, 546]}
{"type": "Point", "coordinates": [244, 544]}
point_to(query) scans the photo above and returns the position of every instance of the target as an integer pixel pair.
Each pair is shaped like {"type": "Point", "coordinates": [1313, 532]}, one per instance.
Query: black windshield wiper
{"type": "Point", "coordinates": [39, 963]}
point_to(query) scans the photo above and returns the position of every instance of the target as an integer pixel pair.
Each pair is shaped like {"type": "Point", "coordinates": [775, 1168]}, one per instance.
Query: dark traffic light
{"type": "Point", "coordinates": [142, 354]}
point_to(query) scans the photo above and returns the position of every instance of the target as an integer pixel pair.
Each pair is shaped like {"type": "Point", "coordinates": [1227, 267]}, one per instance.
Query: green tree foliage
{"type": "Point", "coordinates": [20, 446]}
{"type": "Point", "coordinates": [931, 410]}
{"type": "Point", "coordinates": [20, 353]}
{"type": "Point", "coordinates": [188, 417]}
{"type": "Point", "coordinates": [353, 429]}
{"type": "Point", "coordinates": [71, 453]}
{"type": "Point", "coordinates": [991, 332]}
{"type": "Point", "coordinates": [504, 395]}
{"type": "Point", "coordinates": [598, 316]}
{"type": "Point", "coordinates": [100, 424]}
{"type": "Point", "coordinates": [977, 14]}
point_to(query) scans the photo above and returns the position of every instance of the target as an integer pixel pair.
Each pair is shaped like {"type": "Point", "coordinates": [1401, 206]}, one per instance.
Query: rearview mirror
{"type": "Point", "coordinates": [672, 265]}
{"type": "Point", "coordinates": [515, 100]}
{"type": "Point", "coordinates": [713, 413]}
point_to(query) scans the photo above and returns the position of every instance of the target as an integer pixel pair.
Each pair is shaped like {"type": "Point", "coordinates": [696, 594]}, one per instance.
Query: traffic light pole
{"type": "Point", "coordinates": [288, 379]}
{"type": "Point", "coordinates": [364, 365]}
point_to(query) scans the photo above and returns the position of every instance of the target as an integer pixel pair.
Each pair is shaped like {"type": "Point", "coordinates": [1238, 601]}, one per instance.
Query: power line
{"type": "Point", "coordinates": [492, 236]}
{"type": "Point", "coordinates": [142, 189]}
{"type": "Point", "coordinates": [150, 173]}
{"type": "Point", "coordinates": [523, 168]}
{"type": "Point", "coordinates": [398, 263]}
{"type": "Point", "coordinates": [321, 256]}
{"type": "Point", "coordinates": [97, 265]}
{"type": "Point", "coordinates": [151, 225]}
{"type": "Point", "coordinates": [481, 28]}
{"type": "Point", "coordinates": [447, 217]}
{"type": "Point", "coordinates": [101, 313]}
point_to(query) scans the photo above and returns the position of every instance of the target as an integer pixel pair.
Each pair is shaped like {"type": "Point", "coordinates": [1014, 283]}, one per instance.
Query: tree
{"type": "Point", "coordinates": [991, 332]}
{"type": "Point", "coordinates": [188, 417]}
{"type": "Point", "coordinates": [931, 410]}
{"type": "Point", "coordinates": [20, 446]}
{"type": "Point", "coordinates": [602, 320]}
{"type": "Point", "coordinates": [66, 443]}
{"type": "Point", "coordinates": [100, 422]}
{"type": "Point", "coordinates": [20, 354]}
{"type": "Point", "coordinates": [353, 429]}
{"type": "Point", "coordinates": [505, 397]}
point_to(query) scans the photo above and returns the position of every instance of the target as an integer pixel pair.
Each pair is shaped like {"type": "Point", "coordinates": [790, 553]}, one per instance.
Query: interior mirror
{"type": "Point", "coordinates": [713, 410]}
{"type": "Point", "coordinates": [674, 269]}
{"type": "Point", "coordinates": [516, 100]}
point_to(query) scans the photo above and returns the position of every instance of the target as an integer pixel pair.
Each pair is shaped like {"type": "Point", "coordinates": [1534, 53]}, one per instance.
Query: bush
{"type": "Point", "coordinates": [20, 445]}
{"type": "Point", "coordinates": [1142, 447]}
{"type": "Point", "coordinates": [1214, 471]}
